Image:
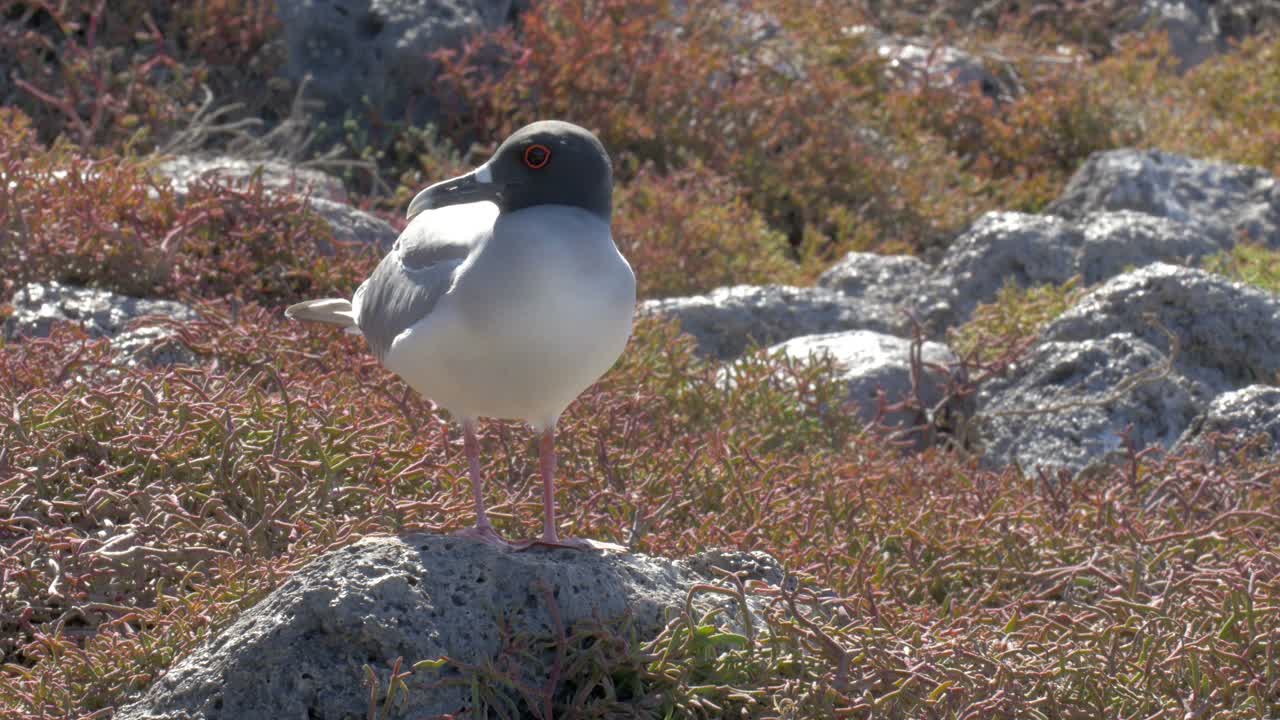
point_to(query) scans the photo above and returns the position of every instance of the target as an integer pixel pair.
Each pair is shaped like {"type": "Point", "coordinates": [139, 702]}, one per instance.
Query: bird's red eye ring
{"type": "Point", "coordinates": [537, 156]}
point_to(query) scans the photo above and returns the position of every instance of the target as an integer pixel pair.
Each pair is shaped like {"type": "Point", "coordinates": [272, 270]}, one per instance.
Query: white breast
{"type": "Point", "coordinates": [536, 314]}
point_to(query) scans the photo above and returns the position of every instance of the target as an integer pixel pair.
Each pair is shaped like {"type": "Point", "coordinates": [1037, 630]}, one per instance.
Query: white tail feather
{"type": "Point", "coordinates": [334, 311]}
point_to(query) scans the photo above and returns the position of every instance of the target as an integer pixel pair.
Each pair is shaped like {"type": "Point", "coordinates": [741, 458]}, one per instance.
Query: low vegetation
{"type": "Point", "coordinates": [142, 508]}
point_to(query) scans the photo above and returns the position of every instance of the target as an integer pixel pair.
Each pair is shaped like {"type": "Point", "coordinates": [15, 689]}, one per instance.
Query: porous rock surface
{"type": "Point", "coordinates": [921, 62]}
{"type": "Point", "coordinates": [298, 653]}
{"type": "Point", "coordinates": [1001, 247]}
{"type": "Point", "coordinates": [871, 363]}
{"type": "Point", "coordinates": [1115, 242]}
{"type": "Point", "coordinates": [151, 346]}
{"type": "Point", "coordinates": [1031, 250]}
{"type": "Point", "coordinates": [1190, 336]}
{"type": "Point", "coordinates": [1224, 199]}
{"type": "Point", "coordinates": [37, 306]}
{"type": "Point", "coordinates": [1243, 413]}
{"type": "Point", "coordinates": [182, 171]}
{"type": "Point", "coordinates": [1228, 334]}
{"type": "Point", "coordinates": [726, 321]}
{"type": "Point", "coordinates": [324, 193]}
{"type": "Point", "coordinates": [1066, 405]}
{"type": "Point", "coordinates": [378, 52]}
{"type": "Point", "coordinates": [892, 279]}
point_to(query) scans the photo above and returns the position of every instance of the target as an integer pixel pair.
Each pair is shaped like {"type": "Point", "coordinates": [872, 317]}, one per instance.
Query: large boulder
{"type": "Point", "coordinates": [1151, 350]}
{"type": "Point", "coordinates": [1025, 250]}
{"type": "Point", "coordinates": [1243, 413]}
{"type": "Point", "coordinates": [1200, 29]}
{"type": "Point", "coordinates": [1116, 242]}
{"type": "Point", "coordinates": [1227, 334]}
{"type": "Point", "coordinates": [873, 365]}
{"type": "Point", "coordinates": [1067, 405]}
{"type": "Point", "coordinates": [1034, 250]}
{"type": "Point", "coordinates": [726, 321]}
{"type": "Point", "coordinates": [890, 279]}
{"type": "Point", "coordinates": [183, 171]}
{"type": "Point", "coordinates": [1000, 248]}
{"type": "Point", "coordinates": [325, 194]}
{"type": "Point", "coordinates": [299, 653]}
{"type": "Point", "coordinates": [362, 54]}
{"type": "Point", "coordinates": [1224, 199]}
{"type": "Point", "coordinates": [37, 306]}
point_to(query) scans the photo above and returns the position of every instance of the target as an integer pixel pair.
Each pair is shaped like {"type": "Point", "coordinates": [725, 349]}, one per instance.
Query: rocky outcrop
{"type": "Point", "coordinates": [1227, 334]}
{"type": "Point", "coordinates": [362, 54]}
{"type": "Point", "coordinates": [37, 306]}
{"type": "Point", "coordinates": [324, 193]}
{"type": "Point", "coordinates": [299, 653]}
{"type": "Point", "coordinates": [920, 62]}
{"type": "Point", "coordinates": [727, 321]}
{"type": "Point", "coordinates": [876, 368]}
{"type": "Point", "coordinates": [182, 171]}
{"type": "Point", "coordinates": [1067, 404]}
{"type": "Point", "coordinates": [1149, 350]}
{"type": "Point", "coordinates": [1022, 249]}
{"type": "Point", "coordinates": [350, 225]}
{"type": "Point", "coordinates": [1200, 29]}
{"type": "Point", "coordinates": [1222, 199]}
{"type": "Point", "coordinates": [1240, 413]}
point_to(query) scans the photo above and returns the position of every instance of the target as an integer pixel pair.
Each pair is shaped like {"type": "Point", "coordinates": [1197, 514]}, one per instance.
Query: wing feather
{"type": "Point", "coordinates": [419, 270]}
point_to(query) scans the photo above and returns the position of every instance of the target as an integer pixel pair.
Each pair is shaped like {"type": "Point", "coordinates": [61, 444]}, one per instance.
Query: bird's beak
{"type": "Point", "coordinates": [475, 186]}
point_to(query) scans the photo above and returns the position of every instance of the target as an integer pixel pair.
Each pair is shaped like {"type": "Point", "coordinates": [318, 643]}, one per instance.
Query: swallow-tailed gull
{"type": "Point", "coordinates": [505, 296]}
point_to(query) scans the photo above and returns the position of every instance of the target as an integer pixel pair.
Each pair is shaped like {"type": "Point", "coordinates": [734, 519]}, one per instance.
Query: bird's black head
{"type": "Point", "coordinates": [546, 163]}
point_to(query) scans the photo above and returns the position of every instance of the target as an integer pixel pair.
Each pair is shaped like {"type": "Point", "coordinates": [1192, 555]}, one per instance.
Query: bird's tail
{"type": "Point", "coordinates": [334, 311]}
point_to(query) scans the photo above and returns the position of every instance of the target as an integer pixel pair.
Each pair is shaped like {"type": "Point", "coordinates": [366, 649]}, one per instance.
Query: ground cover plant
{"type": "Point", "coordinates": [142, 508]}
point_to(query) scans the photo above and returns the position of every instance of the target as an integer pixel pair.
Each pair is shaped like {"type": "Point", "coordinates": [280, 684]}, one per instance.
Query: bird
{"type": "Point", "coordinates": [504, 297]}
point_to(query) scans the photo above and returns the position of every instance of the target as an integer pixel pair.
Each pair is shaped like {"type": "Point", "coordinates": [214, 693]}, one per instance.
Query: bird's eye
{"type": "Point", "coordinates": [537, 156]}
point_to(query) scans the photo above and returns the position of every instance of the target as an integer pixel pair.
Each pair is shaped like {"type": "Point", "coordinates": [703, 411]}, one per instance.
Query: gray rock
{"type": "Point", "coordinates": [378, 51]}
{"type": "Point", "coordinates": [727, 320]}
{"type": "Point", "coordinates": [1198, 30]}
{"type": "Point", "coordinates": [1244, 413]}
{"type": "Point", "coordinates": [870, 363]}
{"type": "Point", "coordinates": [1223, 199]}
{"type": "Point", "coordinates": [1066, 405]}
{"type": "Point", "coordinates": [299, 652]}
{"type": "Point", "coordinates": [889, 279]}
{"type": "Point", "coordinates": [182, 171]}
{"type": "Point", "coordinates": [1031, 250]}
{"type": "Point", "coordinates": [102, 313]}
{"type": "Point", "coordinates": [151, 346]}
{"type": "Point", "coordinates": [919, 62]}
{"type": "Point", "coordinates": [1116, 242]}
{"type": "Point", "coordinates": [1193, 31]}
{"type": "Point", "coordinates": [354, 226]}
{"type": "Point", "coordinates": [1027, 250]}
{"type": "Point", "coordinates": [1228, 334]}
{"type": "Point", "coordinates": [1001, 247]}
{"type": "Point", "coordinates": [325, 193]}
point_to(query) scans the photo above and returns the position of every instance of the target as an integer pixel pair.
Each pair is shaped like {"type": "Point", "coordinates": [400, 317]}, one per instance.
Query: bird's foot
{"type": "Point", "coordinates": [555, 542]}
{"type": "Point", "coordinates": [484, 533]}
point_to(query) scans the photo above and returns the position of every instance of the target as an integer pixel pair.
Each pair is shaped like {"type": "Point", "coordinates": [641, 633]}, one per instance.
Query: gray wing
{"type": "Point", "coordinates": [406, 285]}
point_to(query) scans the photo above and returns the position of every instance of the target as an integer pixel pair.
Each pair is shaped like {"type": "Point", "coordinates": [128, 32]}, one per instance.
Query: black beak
{"type": "Point", "coordinates": [475, 186]}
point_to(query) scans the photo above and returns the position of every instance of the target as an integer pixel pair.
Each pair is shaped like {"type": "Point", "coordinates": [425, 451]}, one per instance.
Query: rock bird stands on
{"type": "Point", "coordinates": [505, 296]}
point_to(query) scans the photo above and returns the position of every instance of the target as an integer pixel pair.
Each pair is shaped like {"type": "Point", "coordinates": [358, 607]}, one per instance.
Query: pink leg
{"type": "Point", "coordinates": [482, 529]}
{"type": "Point", "coordinates": [547, 462]}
